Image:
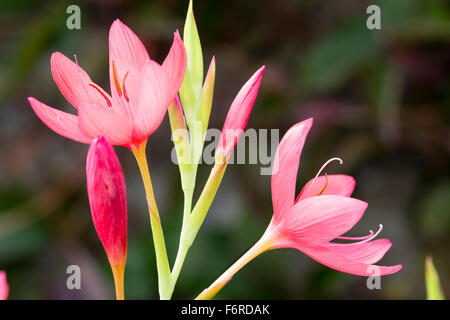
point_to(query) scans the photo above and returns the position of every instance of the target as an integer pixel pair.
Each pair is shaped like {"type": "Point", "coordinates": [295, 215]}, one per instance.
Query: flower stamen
{"type": "Point", "coordinates": [116, 79]}
{"type": "Point", "coordinates": [323, 167]}
{"type": "Point", "coordinates": [123, 87]}
{"type": "Point", "coordinates": [357, 238]}
{"type": "Point", "coordinates": [325, 186]}
{"type": "Point", "coordinates": [93, 85]}
{"type": "Point", "coordinates": [368, 238]}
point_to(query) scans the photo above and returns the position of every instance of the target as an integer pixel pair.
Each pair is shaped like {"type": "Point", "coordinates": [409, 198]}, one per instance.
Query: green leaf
{"type": "Point", "coordinates": [206, 98]}
{"type": "Point", "coordinates": [203, 111]}
{"type": "Point", "coordinates": [434, 290]}
{"type": "Point", "coordinates": [191, 87]}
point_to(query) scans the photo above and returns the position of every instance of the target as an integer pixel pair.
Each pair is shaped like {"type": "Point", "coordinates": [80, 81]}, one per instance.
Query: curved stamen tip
{"type": "Point", "coordinates": [357, 238]}
{"type": "Point", "coordinates": [367, 238]}
{"type": "Point", "coordinates": [323, 167]}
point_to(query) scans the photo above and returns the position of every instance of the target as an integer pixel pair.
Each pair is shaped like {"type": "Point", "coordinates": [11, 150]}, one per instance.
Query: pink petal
{"type": "Point", "coordinates": [73, 82]}
{"type": "Point", "coordinates": [368, 252]}
{"type": "Point", "coordinates": [175, 63]}
{"type": "Point", "coordinates": [155, 97]}
{"type": "Point", "coordinates": [333, 259]}
{"type": "Point", "coordinates": [340, 185]}
{"type": "Point", "coordinates": [285, 167]}
{"type": "Point", "coordinates": [107, 199]}
{"type": "Point", "coordinates": [238, 114]}
{"type": "Point", "coordinates": [129, 55]}
{"type": "Point", "coordinates": [114, 126]}
{"type": "Point", "coordinates": [321, 219]}
{"type": "Point", "coordinates": [4, 288]}
{"type": "Point", "coordinates": [63, 123]}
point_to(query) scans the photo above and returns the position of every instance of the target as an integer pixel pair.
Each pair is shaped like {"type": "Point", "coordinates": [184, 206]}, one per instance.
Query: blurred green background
{"type": "Point", "coordinates": [380, 100]}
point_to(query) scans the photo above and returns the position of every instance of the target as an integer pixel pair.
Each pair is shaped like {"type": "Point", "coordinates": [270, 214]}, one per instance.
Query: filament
{"type": "Point", "coordinates": [323, 167]}
{"type": "Point", "coordinates": [369, 238]}
{"type": "Point", "coordinates": [357, 238]}
{"type": "Point", "coordinates": [93, 85]}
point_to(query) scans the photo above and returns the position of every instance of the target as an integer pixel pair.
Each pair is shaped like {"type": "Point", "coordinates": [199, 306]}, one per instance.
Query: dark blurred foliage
{"type": "Point", "coordinates": [380, 100]}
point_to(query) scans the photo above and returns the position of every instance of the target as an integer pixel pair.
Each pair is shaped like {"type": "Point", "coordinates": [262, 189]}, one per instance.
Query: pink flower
{"type": "Point", "coordinates": [141, 91]}
{"type": "Point", "coordinates": [108, 201]}
{"type": "Point", "coordinates": [238, 115]}
{"type": "Point", "coordinates": [322, 212]}
{"type": "Point", "coordinates": [4, 288]}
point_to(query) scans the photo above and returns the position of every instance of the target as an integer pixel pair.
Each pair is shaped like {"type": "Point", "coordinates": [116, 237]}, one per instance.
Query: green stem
{"type": "Point", "coordinates": [162, 262]}
{"type": "Point", "coordinates": [192, 221]}
{"type": "Point", "coordinates": [259, 247]}
{"type": "Point", "coordinates": [182, 249]}
{"type": "Point", "coordinates": [205, 200]}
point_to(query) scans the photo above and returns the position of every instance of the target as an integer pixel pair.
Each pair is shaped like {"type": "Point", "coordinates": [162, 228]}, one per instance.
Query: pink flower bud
{"type": "Point", "coordinates": [238, 115]}
{"type": "Point", "coordinates": [4, 288]}
{"type": "Point", "coordinates": [108, 200]}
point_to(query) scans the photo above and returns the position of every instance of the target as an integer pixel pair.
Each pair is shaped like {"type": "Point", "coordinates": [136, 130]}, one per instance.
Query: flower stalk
{"type": "Point", "coordinates": [162, 262]}
{"type": "Point", "coordinates": [118, 274]}
{"type": "Point", "coordinates": [259, 247]}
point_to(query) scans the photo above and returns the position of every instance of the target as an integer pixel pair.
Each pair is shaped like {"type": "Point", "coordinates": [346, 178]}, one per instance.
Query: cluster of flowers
{"type": "Point", "coordinates": [142, 92]}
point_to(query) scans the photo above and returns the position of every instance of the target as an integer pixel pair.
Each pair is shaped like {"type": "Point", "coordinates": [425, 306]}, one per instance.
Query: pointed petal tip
{"type": "Point", "coordinates": [212, 64]}
{"type": "Point", "coordinates": [260, 71]}
{"type": "Point", "coordinates": [302, 125]}
{"type": "Point", "coordinates": [309, 121]}
{"type": "Point", "coordinates": [117, 22]}
{"type": "Point", "coordinates": [35, 103]}
{"type": "Point", "coordinates": [395, 268]}
{"type": "Point", "coordinates": [117, 25]}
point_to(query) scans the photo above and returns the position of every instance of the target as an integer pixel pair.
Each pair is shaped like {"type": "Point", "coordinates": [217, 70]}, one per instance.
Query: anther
{"type": "Point", "coordinates": [325, 186]}
{"type": "Point", "coordinates": [93, 85]}
{"type": "Point", "coordinates": [123, 87]}
{"type": "Point", "coordinates": [116, 79]}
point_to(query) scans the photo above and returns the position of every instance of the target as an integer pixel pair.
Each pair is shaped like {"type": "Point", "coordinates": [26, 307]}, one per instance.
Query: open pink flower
{"type": "Point", "coordinates": [4, 288]}
{"type": "Point", "coordinates": [108, 202]}
{"type": "Point", "coordinates": [141, 91]}
{"type": "Point", "coordinates": [322, 212]}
